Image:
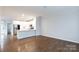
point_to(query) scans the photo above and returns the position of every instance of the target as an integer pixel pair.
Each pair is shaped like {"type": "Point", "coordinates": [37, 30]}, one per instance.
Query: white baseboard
{"type": "Point", "coordinates": [61, 38]}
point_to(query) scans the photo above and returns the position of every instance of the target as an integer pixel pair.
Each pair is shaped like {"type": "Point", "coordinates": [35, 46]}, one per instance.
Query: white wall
{"type": "Point", "coordinates": [38, 25]}
{"type": "Point", "coordinates": [62, 26]}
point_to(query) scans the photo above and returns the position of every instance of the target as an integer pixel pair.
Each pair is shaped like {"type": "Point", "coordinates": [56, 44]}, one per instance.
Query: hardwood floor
{"type": "Point", "coordinates": [40, 44]}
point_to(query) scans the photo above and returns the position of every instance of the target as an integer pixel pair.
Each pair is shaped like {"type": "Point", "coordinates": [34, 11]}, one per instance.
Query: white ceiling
{"type": "Point", "coordinates": [17, 11]}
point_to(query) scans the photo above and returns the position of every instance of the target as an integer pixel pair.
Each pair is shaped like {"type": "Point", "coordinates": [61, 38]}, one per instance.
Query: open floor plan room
{"type": "Point", "coordinates": [39, 29]}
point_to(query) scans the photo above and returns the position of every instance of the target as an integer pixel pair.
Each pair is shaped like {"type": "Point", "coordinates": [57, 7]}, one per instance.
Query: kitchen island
{"type": "Point", "coordinates": [25, 33]}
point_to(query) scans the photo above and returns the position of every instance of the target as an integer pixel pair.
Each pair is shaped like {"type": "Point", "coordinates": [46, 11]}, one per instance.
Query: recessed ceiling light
{"type": "Point", "coordinates": [23, 15]}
